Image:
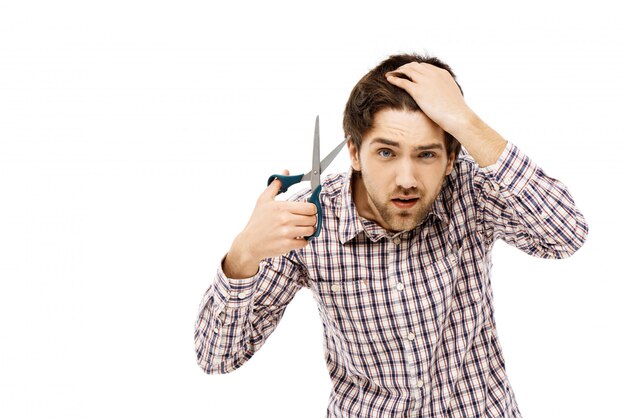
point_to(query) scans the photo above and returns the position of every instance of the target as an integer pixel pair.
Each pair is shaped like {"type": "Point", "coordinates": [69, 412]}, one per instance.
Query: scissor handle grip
{"type": "Point", "coordinates": [285, 181]}
{"type": "Point", "coordinates": [315, 199]}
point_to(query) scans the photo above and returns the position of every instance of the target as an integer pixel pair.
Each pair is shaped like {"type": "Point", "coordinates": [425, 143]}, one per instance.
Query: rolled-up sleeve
{"type": "Point", "coordinates": [526, 208]}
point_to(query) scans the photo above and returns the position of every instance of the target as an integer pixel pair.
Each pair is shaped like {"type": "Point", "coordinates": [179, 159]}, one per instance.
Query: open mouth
{"type": "Point", "coordinates": [405, 202]}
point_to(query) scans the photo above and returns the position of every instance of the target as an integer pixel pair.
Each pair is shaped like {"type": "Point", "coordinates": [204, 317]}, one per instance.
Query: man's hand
{"type": "Point", "coordinates": [275, 228]}
{"type": "Point", "coordinates": [436, 93]}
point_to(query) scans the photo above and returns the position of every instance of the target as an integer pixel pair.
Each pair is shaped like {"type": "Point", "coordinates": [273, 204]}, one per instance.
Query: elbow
{"type": "Point", "coordinates": [209, 364]}
{"type": "Point", "coordinates": [214, 363]}
{"type": "Point", "coordinates": [568, 242]}
{"type": "Point", "coordinates": [578, 237]}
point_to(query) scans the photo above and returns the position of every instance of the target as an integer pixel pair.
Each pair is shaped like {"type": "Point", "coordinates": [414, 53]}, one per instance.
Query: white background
{"type": "Point", "coordinates": [135, 137]}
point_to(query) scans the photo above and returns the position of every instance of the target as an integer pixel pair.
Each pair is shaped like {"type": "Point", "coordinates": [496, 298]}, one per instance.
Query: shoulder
{"type": "Point", "coordinates": [466, 173]}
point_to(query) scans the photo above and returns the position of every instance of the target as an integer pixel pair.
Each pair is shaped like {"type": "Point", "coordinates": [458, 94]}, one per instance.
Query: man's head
{"type": "Point", "coordinates": [374, 93]}
{"type": "Point", "coordinates": [400, 156]}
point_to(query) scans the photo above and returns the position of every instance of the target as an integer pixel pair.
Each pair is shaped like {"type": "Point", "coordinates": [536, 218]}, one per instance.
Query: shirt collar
{"type": "Point", "coordinates": [351, 224]}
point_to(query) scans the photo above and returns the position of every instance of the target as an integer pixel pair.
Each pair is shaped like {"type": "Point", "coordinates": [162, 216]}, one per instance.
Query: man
{"type": "Point", "coordinates": [401, 269]}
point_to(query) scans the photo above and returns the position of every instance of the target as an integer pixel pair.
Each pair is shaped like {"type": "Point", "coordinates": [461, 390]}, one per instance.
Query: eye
{"type": "Point", "coordinates": [385, 153]}
{"type": "Point", "coordinates": [427, 155]}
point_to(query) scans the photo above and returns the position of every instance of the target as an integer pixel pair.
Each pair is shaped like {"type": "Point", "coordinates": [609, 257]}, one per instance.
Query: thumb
{"type": "Point", "coordinates": [274, 188]}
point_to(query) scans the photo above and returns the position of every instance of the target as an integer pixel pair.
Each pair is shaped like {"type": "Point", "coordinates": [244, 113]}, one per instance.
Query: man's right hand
{"type": "Point", "coordinates": [275, 228]}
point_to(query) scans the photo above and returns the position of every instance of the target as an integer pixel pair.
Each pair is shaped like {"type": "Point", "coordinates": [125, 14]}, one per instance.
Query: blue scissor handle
{"type": "Point", "coordinates": [315, 199]}
{"type": "Point", "coordinates": [285, 181]}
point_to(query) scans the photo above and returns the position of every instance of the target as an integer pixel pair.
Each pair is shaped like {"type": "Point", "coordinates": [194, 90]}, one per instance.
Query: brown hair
{"type": "Point", "coordinates": [374, 93]}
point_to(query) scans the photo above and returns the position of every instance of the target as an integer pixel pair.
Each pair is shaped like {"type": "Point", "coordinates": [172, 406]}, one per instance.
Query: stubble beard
{"type": "Point", "coordinates": [405, 220]}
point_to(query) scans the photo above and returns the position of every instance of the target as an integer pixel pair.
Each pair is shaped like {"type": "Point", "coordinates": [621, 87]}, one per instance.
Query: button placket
{"type": "Point", "coordinates": [394, 251]}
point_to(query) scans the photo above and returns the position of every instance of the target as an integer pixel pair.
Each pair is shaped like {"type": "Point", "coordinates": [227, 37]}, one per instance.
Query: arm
{"type": "Point", "coordinates": [518, 202]}
{"type": "Point", "coordinates": [526, 208]}
{"type": "Point", "coordinates": [440, 98]}
{"type": "Point", "coordinates": [254, 283]}
{"type": "Point", "coordinates": [237, 315]}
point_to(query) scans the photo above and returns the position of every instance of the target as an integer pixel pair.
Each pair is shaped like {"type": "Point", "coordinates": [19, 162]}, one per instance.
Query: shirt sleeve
{"type": "Point", "coordinates": [526, 208]}
{"type": "Point", "coordinates": [236, 316]}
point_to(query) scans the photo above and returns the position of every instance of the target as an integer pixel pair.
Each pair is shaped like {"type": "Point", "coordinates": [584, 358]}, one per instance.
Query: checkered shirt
{"type": "Point", "coordinates": [407, 317]}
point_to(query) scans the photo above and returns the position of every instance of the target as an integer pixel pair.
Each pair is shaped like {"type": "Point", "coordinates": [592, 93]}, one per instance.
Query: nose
{"type": "Point", "coordinates": [405, 175]}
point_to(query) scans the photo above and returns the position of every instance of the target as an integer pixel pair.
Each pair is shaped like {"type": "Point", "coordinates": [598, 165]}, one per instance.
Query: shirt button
{"type": "Point", "coordinates": [420, 383]}
{"type": "Point", "coordinates": [335, 288]}
{"type": "Point", "coordinates": [400, 286]}
{"type": "Point", "coordinates": [411, 336]}
{"type": "Point", "coordinates": [397, 241]}
{"type": "Point", "coordinates": [242, 295]}
{"type": "Point", "coordinates": [508, 180]}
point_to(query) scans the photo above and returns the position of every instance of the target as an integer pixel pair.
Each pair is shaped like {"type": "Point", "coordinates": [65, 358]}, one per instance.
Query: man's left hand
{"type": "Point", "coordinates": [436, 93]}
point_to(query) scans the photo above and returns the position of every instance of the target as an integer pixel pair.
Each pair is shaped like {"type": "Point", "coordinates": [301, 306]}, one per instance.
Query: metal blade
{"type": "Point", "coordinates": [330, 157]}
{"type": "Point", "coordinates": [316, 169]}
{"type": "Point", "coordinates": [327, 160]}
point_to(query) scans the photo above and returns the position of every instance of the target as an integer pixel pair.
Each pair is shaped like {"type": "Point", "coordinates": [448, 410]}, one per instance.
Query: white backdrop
{"type": "Point", "coordinates": [135, 137]}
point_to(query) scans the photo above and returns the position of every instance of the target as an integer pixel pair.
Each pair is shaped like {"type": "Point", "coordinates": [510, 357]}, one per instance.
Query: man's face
{"type": "Point", "coordinates": [403, 164]}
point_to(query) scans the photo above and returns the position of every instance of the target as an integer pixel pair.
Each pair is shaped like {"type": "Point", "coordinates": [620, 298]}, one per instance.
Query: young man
{"type": "Point", "coordinates": [401, 269]}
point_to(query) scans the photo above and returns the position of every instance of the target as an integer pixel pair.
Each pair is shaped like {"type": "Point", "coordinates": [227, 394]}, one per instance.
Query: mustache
{"type": "Point", "coordinates": [407, 192]}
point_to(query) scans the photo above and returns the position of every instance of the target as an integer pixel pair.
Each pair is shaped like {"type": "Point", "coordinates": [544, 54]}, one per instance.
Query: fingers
{"type": "Point", "coordinates": [303, 231]}
{"type": "Point", "coordinates": [416, 72]}
{"type": "Point", "coordinates": [400, 82]}
{"type": "Point", "coordinates": [412, 71]}
{"type": "Point", "coordinates": [301, 220]}
{"type": "Point", "coordinates": [300, 208]}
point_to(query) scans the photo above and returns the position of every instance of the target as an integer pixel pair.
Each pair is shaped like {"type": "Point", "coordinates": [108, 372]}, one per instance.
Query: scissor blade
{"type": "Point", "coordinates": [316, 169]}
{"type": "Point", "coordinates": [330, 157]}
{"type": "Point", "coordinates": [327, 160]}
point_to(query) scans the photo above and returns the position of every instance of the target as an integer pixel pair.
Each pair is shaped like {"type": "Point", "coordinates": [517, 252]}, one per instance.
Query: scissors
{"type": "Point", "coordinates": [313, 176]}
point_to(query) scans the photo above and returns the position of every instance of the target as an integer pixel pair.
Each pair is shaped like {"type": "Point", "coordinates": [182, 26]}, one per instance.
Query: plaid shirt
{"type": "Point", "coordinates": [408, 317]}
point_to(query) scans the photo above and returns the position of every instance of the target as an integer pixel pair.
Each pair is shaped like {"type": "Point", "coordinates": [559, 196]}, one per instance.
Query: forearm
{"type": "Point", "coordinates": [483, 143]}
{"type": "Point", "coordinates": [223, 325]}
{"type": "Point", "coordinates": [237, 316]}
{"type": "Point", "coordinates": [239, 263]}
{"type": "Point", "coordinates": [528, 209]}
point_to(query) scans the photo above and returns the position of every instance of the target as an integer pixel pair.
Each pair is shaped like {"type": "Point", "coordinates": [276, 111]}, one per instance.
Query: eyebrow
{"type": "Point", "coordinates": [397, 144]}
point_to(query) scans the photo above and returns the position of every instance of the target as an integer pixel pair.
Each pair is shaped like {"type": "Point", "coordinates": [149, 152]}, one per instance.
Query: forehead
{"type": "Point", "coordinates": [405, 127]}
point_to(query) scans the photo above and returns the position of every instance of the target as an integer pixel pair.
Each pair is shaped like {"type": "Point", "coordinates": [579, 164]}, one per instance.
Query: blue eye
{"type": "Point", "coordinates": [385, 153]}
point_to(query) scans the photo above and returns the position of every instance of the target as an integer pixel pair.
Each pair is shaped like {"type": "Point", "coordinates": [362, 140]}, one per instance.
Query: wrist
{"type": "Point", "coordinates": [463, 122]}
{"type": "Point", "coordinates": [240, 263]}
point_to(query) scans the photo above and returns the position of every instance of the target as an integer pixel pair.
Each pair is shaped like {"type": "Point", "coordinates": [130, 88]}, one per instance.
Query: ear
{"type": "Point", "coordinates": [354, 155]}
{"type": "Point", "coordinates": [450, 163]}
